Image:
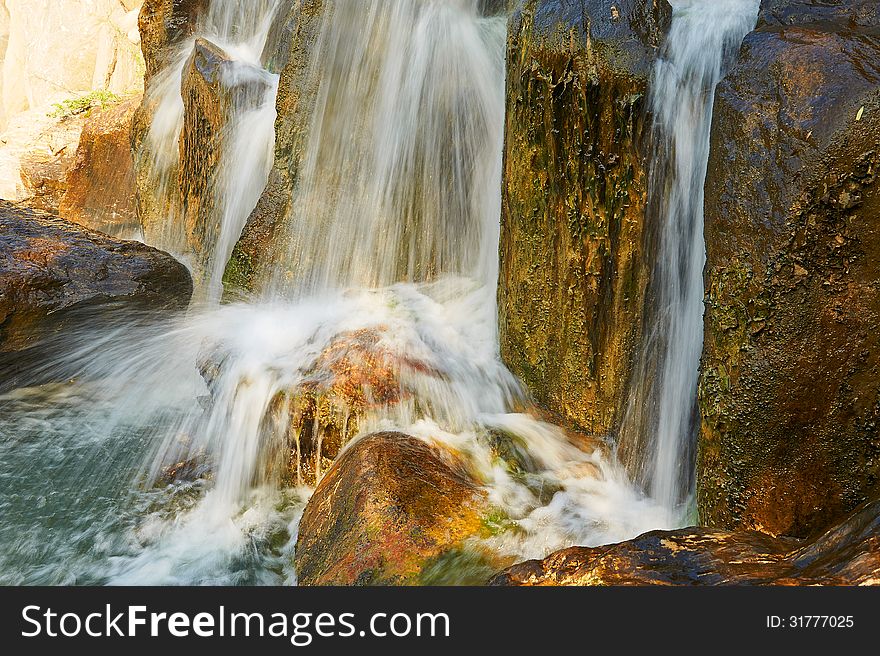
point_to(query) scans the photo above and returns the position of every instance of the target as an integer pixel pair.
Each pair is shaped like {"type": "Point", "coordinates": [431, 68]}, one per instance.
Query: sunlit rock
{"type": "Point", "coordinates": [790, 393]}
{"type": "Point", "coordinates": [389, 507]}
{"type": "Point", "coordinates": [848, 554]}
{"type": "Point", "coordinates": [573, 264]}
{"type": "Point", "coordinates": [99, 188]}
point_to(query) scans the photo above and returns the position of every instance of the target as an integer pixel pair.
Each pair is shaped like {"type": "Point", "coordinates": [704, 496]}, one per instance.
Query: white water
{"type": "Point", "coordinates": [660, 425]}
{"type": "Point", "coordinates": [394, 235]}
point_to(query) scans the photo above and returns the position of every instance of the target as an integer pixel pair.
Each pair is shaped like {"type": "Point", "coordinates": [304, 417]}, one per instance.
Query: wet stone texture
{"type": "Point", "coordinates": [391, 506]}
{"type": "Point", "coordinates": [849, 554]}
{"type": "Point", "coordinates": [790, 385]}
{"type": "Point", "coordinates": [573, 269]}
{"type": "Point", "coordinates": [291, 56]}
{"type": "Point", "coordinates": [57, 277]}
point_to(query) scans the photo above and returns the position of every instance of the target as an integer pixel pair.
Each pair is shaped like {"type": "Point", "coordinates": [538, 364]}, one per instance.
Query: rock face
{"type": "Point", "coordinates": [99, 189]}
{"type": "Point", "coordinates": [65, 47]}
{"type": "Point", "coordinates": [847, 555]}
{"type": "Point", "coordinates": [56, 276]}
{"type": "Point", "coordinates": [213, 87]}
{"type": "Point", "coordinates": [790, 385]}
{"type": "Point", "coordinates": [46, 162]}
{"type": "Point", "coordinates": [573, 270]}
{"type": "Point", "coordinates": [291, 56]}
{"type": "Point", "coordinates": [162, 24]}
{"type": "Point", "coordinates": [390, 505]}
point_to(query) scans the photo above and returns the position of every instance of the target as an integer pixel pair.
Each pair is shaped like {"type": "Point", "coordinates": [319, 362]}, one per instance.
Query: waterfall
{"type": "Point", "coordinates": [241, 30]}
{"type": "Point", "coordinates": [658, 433]}
{"type": "Point", "coordinates": [399, 178]}
{"type": "Point", "coordinates": [190, 447]}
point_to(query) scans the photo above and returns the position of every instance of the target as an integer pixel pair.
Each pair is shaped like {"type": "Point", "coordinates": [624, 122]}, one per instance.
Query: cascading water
{"type": "Point", "coordinates": [390, 262]}
{"type": "Point", "coordinates": [658, 434]}
{"type": "Point", "coordinates": [241, 30]}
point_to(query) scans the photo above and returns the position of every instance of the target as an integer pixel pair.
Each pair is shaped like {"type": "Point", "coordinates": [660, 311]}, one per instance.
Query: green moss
{"type": "Point", "coordinates": [464, 565]}
{"type": "Point", "coordinates": [83, 104]}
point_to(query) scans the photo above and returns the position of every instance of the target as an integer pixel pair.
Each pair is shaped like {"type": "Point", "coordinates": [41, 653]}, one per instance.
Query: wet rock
{"type": "Point", "coordinates": [99, 188]}
{"type": "Point", "coordinates": [573, 269]}
{"type": "Point", "coordinates": [214, 86]}
{"type": "Point", "coordinates": [790, 384]}
{"type": "Point", "coordinates": [57, 277]}
{"type": "Point", "coordinates": [291, 56]}
{"type": "Point", "coordinates": [849, 554]}
{"type": "Point", "coordinates": [389, 507]}
{"type": "Point", "coordinates": [162, 25]}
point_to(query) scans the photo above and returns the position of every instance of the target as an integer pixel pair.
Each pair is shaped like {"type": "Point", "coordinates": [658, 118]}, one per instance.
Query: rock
{"type": "Point", "coordinates": [790, 383]}
{"type": "Point", "coordinates": [847, 555]}
{"type": "Point", "coordinates": [292, 56]}
{"type": "Point", "coordinates": [47, 161]}
{"type": "Point", "coordinates": [57, 277]}
{"type": "Point", "coordinates": [573, 269]}
{"type": "Point", "coordinates": [389, 507]}
{"type": "Point", "coordinates": [66, 47]}
{"type": "Point", "coordinates": [163, 24]}
{"type": "Point", "coordinates": [100, 188]}
{"type": "Point", "coordinates": [213, 87]}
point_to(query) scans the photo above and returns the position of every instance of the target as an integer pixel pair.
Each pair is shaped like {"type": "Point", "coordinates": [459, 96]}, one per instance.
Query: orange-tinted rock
{"type": "Point", "coordinates": [573, 231]}
{"type": "Point", "coordinates": [849, 554]}
{"type": "Point", "coordinates": [790, 384]}
{"type": "Point", "coordinates": [100, 192]}
{"type": "Point", "coordinates": [389, 505]}
{"type": "Point", "coordinates": [49, 160]}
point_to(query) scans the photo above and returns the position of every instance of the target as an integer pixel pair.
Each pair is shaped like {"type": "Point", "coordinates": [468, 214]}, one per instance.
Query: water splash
{"type": "Point", "coordinates": [658, 434]}
{"type": "Point", "coordinates": [390, 270]}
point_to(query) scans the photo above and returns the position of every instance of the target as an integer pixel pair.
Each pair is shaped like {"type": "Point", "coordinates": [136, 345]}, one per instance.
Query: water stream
{"type": "Point", "coordinates": [391, 260]}
{"type": "Point", "coordinates": [658, 435]}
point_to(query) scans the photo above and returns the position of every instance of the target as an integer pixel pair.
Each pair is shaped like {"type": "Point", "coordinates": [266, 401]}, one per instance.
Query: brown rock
{"type": "Point", "coordinates": [48, 161]}
{"type": "Point", "coordinates": [292, 55]}
{"type": "Point", "coordinates": [211, 92]}
{"type": "Point", "coordinates": [847, 555]}
{"type": "Point", "coordinates": [389, 505]}
{"type": "Point", "coordinates": [100, 186]}
{"type": "Point", "coordinates": [790, 384]}
{"type": "Point", "coordinates": [57, 277]}
{"type": "Point", "coordinates": [573, 269]}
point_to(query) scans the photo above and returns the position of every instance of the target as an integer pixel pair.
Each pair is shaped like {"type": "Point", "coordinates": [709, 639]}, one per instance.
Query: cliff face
{"type": "Point", "coordinates": [59, 48]}
{"type": "Point", "coordinates": [790, 387]}
{"type": "Point", "coordinates": [573, 270]}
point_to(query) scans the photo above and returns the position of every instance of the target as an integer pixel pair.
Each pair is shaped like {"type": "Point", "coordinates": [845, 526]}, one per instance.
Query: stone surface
{"type": "Point", "coordinates": [213, 87]}
{"type": "Point", "coordinates": [99, 188]}
{"type": "Point", "coordinates": [573, 270]}
{"type": "Point", "coordinates": [849, 554]}
{"type": "Point", "coordinates": [389, 507]}
{"type": "Point", "coordinates": [46, 161]}
{"type": "Point", "coordinates": [292, 56]}
{"type": "Point", "coordinates": [56, 277]}
{"type": "Point", "coordinates": [790, 384]}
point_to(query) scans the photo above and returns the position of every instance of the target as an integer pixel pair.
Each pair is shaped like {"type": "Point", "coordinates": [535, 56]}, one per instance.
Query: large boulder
{"type": "Point", "coordinates": [56, 277]}
{"type": "Point", "coordinates": [790, 384]}
{"type": "Point", "coordinates": [163, 24]}
{"type": "Point", "coordinates": [389, 507]}
{"type": "Point", "coordinates": [573, 268]}
{"type": "Point", "coordinates": [99, 188]}
{"type": "Point", "coordinates": [849, 554]}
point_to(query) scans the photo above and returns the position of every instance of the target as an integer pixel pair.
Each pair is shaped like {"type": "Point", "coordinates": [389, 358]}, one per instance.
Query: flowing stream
{"type": "Point", "coordinates": [391, 260]}
{"type": "Point", "coordinates": [660, 425]}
